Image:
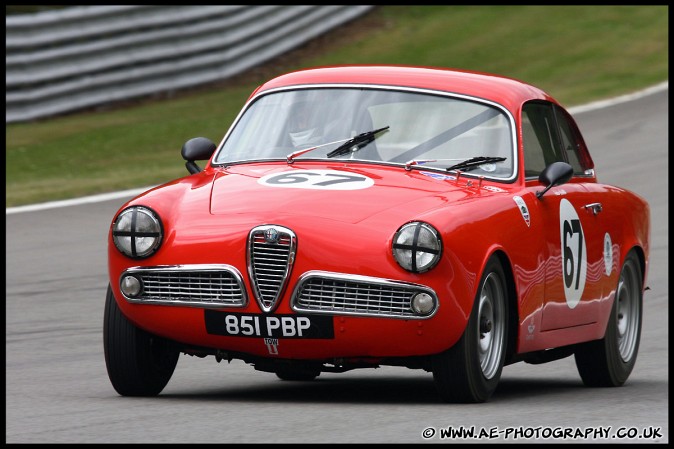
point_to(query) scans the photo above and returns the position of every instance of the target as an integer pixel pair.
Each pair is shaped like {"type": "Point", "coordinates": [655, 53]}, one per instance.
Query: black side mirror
{"type": "Point", "coordinates": [554, 174]}
{"type": "Point", "coordinates": [197, 149]}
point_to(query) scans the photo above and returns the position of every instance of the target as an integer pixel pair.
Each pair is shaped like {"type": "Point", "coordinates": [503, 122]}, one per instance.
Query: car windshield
{"type": "Point", "coordinates": [410, 128]}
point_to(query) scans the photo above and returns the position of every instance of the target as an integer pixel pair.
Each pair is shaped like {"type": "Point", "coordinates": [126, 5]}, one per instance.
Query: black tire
{"type": "Point", "coordinates": [608, 362]}
{"type": "Point", "coordinates": [138, 363]}
{"type": "Point", "coordinates": [295, 375]}
{"type": "Point", "coordinates": [470, 370]}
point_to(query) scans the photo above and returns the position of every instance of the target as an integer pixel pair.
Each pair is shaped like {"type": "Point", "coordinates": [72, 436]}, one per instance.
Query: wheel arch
{"type": "Point", "coordinates": [513, 309]}
{"type": "Point", "coordinates": [641, 257]}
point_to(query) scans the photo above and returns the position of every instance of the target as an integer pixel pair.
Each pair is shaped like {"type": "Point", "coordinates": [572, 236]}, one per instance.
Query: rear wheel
{"type": "Point", "coordinates": [608, 362]}
{"type": "Point", "coordinates": [138, 363]}
{"type": "Point", "coordinates": [471, 369]}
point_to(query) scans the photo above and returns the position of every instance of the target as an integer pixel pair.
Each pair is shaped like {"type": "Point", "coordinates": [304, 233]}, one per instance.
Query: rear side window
{"type": "Point", "coordinates": [572, 142]}
{"type": "Point", "coordinates": [549, 136]}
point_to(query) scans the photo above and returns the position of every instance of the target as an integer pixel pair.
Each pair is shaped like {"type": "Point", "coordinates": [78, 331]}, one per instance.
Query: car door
{"type": "Point", "coordinates": [573, 250]}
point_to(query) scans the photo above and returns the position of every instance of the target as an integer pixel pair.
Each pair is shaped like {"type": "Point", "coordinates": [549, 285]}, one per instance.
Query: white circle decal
{"type": "Point", "coordinates": [574, 253]}
{"type": "Point", "coordinates": [317, 179]}
{"type": "Point", "coordinates": [522, 206]}
{"type": "Point", "coordinates": [608, 254]}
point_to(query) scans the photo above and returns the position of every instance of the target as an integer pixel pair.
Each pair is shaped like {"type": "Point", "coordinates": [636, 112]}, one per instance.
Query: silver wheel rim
{"type": "Point", "coordinates": [627, 313]}
{"type": "Point", "coordinates": [491, 325]}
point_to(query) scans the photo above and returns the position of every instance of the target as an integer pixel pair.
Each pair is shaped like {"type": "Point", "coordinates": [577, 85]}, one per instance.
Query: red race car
{"type": "Point", "coordinates": [360, 216]}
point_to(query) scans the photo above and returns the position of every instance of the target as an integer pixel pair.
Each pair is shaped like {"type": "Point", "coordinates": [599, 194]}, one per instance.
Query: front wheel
{"type": "Point", "coordinates": [608, 362]}
{"type": "Point", "coordinates": [138, 363]}
{"type": "Point", "coordinates": [471, 369]}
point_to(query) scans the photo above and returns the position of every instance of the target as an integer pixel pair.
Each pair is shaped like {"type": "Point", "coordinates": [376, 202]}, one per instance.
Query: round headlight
{"type": "Point", "coordinates": [417, 247]}
{"type": "Point", "coordinates": [137, 232]}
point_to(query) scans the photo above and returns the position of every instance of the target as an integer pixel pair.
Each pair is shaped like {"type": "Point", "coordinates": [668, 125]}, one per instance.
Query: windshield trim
{"type": "Point", "coordinates": [251, 100]}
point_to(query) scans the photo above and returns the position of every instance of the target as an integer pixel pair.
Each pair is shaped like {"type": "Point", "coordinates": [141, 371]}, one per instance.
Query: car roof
{"type": "Point", "coordinates": [508, 92]}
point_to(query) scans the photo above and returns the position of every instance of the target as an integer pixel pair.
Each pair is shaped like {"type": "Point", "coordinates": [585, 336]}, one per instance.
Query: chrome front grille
{"type": "Point", "coordinates": [335, 293]}
{"type": "Point", "coordinates": [189, 285]}
{"type": "Point", "coordinates": [271, 253]}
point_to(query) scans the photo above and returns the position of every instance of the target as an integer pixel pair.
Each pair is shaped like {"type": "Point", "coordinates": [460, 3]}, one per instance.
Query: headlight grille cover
{"type": "Point", "coordinates": [417, 246]}
{"type": "Point", "coordinates": [137, 232]}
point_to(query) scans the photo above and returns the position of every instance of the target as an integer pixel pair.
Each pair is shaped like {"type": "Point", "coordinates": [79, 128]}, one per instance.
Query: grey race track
{"type": "Point", "coordinates": [57, 389]}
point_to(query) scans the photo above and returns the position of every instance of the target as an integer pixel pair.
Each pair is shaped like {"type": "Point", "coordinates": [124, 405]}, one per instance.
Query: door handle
{"type": "Point", "coordinates": [594, 207]}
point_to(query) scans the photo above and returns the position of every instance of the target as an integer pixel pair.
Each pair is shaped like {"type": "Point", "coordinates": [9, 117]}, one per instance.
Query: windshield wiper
{"type": "Point", "coordinates": [290, 158]}
{"type": "Point", "coordinates": [358, 142]}
{"type": "Point", "coordinates": [475, 161]}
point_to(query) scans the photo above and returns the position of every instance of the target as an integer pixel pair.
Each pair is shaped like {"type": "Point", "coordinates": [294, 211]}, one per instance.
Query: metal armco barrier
{"type": "Point", "coordinates": [77, 57]}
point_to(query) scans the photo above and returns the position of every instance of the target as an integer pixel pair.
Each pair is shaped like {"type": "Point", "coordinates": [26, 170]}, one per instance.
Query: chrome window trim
{"type": "Point", "coordinates": [511, 120]}
{"type": "Point", "coordinates": [197, 268]}
{"type": "Point", "coordinates": [365, 280]}
{"type": "Point", "coordinates": [587, 174]}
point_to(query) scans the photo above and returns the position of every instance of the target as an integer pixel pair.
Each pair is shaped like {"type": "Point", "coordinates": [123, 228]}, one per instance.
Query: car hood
{"type": "Point", "coordinates": [342, 192]}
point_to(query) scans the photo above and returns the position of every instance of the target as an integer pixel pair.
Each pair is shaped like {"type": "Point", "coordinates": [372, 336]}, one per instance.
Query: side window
{"type": "Point", "coordinates": [570, 141]}
{"type": "Point", "coordinates": [540, 138]}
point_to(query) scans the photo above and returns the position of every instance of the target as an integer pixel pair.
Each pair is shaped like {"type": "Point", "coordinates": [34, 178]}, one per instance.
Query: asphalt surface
{"type": "Point", "coordinates": [57, 389]}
